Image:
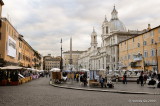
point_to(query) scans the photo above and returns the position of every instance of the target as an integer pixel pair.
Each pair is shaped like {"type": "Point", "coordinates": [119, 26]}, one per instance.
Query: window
{"type": "Point", "coordinates": [128, 56]}
{"type": "Point", "coordinates": [152, 52]}
{"type": "Point", "coordinates": [138, 44]}
{"type": "Point", "coordinates": [145, 43]}
{"type": "Point", "coordinates": [145, 35]}
{"type": "Point", "coordinates": [152, 33]}
{"type": "Point", "coordinates": [19, 56]}
{"type": "Point", "coordinates": [152, 41]}
{"type": "Point", "coordinates": [158, 30]}
{"type": "Point", "coordinates": [106, 29]}
{"type": "Point", "coordinates": [145, 54]}
{"type": "Point", "coordinates": [125, 57]}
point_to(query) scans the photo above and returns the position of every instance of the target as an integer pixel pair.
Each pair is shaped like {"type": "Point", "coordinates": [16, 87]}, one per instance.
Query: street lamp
{"type": "Point", "coordinates": [61, 61]}
{"type": "Point", "coordinates": [143, 61]}
{"type": "Point", "coordinates": [156, 57]}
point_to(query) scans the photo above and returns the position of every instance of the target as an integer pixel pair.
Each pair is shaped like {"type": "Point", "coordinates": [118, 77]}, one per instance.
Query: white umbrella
{"type": "Point", "coordinates": [41, 70]}
{"type": "Point", "coordinates": [12, 67]}
{"type": "Point", "coordinates": [84, 70]}
{"type": "Point", "coordinates": [55, 70]}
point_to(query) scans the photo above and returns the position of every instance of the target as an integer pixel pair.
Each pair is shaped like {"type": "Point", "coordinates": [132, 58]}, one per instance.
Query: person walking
{"type": "Point", "coordinates": [85, 80]}
{"type": "Point", "coordinates": [77, 77]}
{"type": "Point", "coordinates": [125, 79]}
{"type": "Point", "coordinates": [141, 79]}
{"type": "Point", "coordinates": [117, 78]}
{"type": "Point", "coordinates": [102, 81]}
{"type": "Point", "coordinates": [145, 78]}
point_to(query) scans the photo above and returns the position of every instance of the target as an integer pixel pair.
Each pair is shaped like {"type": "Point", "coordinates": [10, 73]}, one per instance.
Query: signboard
{"type": "Point", "coordinates": [11, 47]}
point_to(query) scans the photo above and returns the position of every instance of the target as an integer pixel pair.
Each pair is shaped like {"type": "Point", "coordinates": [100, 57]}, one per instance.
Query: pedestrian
{"type": "Point", "coordinates": [46, 74]}
{"type": "Point", "coordinates": [77, 77]}
{"type": "Point", "coordinates": [117, 78]}
{"type": "Point", "coordinates": [141, 79]}
{"type": "Point", "coordinates": [145, 78]}
{"type": "Point", "coordinates": [101, 81]}
{"type": "Point", "coordinates": [84, 80]}
{"type": "Point", "coordinates": [125, 79]}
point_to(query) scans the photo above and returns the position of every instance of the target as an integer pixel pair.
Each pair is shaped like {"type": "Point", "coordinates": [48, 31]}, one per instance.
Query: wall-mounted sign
{"type": "Point", "coordinates": [11, 47]}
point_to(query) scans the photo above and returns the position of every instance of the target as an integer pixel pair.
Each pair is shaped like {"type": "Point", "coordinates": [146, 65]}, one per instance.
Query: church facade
{"type": "Point", "coordinates": [106, 56]}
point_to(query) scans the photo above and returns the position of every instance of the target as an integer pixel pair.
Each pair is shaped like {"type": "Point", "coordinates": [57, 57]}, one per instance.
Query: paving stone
{"type": "Point", "coordinates": [40, 93]}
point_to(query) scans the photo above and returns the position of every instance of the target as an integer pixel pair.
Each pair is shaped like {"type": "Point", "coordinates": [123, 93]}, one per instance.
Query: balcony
{"type": "Point", "coordinates": [134, 64]}
{"type": "Point", "coordinates": [151, 64]}
{"type": "Point", "coordinates": [137, 58]}
{"type": "Point", "coordinates": [122, 65]}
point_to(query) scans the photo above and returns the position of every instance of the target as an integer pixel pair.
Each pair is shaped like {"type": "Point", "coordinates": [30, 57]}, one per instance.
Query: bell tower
{"type": "Point", "coordinates": [94, 39]}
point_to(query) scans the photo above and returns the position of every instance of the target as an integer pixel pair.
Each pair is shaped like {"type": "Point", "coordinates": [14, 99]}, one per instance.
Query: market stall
{"type": "Point", "coordinates": [95, 75]}
{"type": "Point", "coordinates": [11, 75]}
{"type": "Point", "coordinates": [56, 75]}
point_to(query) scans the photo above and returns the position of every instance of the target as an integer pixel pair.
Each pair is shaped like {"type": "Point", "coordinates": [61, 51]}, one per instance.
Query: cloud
{"type": "Point", "coordinates": [44, 23]}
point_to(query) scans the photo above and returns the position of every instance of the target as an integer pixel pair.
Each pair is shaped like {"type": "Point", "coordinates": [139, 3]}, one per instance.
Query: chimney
{"type": "Point", "coordinates": [149, 27]}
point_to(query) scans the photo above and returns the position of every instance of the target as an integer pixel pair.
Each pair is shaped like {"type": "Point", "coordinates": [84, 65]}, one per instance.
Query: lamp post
{"type": "Point", "coordinates": [156, 57]}
{"type": "Point", "coordinates": [61, 61]}
{"type": "Point", "coordinates": [143, 62]}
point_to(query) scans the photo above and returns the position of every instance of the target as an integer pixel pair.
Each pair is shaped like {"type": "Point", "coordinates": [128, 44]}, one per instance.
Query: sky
{"type": "Point", "coordinates": [44, 22]}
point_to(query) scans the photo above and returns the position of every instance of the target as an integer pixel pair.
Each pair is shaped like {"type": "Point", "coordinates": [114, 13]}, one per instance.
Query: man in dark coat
{"type": "Point", "coordinates": [125, 79]}
{"type": "Point", "coordinates": [141, 79]}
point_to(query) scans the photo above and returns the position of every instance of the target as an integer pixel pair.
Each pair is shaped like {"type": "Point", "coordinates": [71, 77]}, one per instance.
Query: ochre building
{"type": "Point", "coordinates": [141, 52]}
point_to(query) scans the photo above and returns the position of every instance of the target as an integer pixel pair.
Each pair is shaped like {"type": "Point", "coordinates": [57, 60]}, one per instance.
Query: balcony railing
{"type": "Point", "coordinates": [137, 57]}
{"type": "Point", "coordinates": [151, 64]}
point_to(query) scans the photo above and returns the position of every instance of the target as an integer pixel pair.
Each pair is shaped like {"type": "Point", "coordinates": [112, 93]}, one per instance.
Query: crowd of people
{"type": "Point", "coordinates": [82, 78]}
{"type": "Point", "coordinates": [142, 79]}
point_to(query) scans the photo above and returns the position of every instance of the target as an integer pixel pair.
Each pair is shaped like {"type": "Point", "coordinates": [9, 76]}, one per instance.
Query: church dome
{"type": "Point", "coordinates": [117, 25]}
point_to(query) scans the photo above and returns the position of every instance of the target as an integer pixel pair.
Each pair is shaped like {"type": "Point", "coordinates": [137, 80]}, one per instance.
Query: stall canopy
{"type": "Point", "coordinates": [55, 70]}
{"type": "Point", "coordinates": [11, 68]}
{"type": "Point", "coordinates": [40, 70]}
{"type": "Point", "coordinates": [84, 70]}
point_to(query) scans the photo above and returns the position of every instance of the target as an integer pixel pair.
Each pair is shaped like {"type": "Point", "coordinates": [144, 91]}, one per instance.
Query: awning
{"type": "Point", "coordinates": [11, 68]}
{"type": "Point", "coordinates": [55, 70]}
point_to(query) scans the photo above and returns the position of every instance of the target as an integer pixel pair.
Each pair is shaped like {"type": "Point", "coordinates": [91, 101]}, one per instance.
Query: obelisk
{"type": "Point", "coordinates": [71, 51]}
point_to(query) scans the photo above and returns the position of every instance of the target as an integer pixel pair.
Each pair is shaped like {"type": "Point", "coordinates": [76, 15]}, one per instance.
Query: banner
{"type": "Point", "coordinates": [11, 47]}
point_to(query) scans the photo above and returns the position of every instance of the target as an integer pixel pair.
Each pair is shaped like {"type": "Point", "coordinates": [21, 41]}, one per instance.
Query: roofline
{"type": "Point", "coordinates": [128, 38]}
{"type": "Point", "coordinates": [141, 34]}
{"type": "Point", "coordinates": [74, 52]}
{"type": "Point", "coordinates": [5, 19]}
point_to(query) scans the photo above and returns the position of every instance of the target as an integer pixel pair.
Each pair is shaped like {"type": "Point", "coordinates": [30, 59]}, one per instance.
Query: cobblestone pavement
{"type": "Point", "coordinates": [40, 93]}
{"type": "Point", "coordinates": [131, 86]}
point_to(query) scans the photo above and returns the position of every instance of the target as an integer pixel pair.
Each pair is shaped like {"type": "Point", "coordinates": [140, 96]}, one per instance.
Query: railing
{"type": "Point", "coordinates": [137, 57]}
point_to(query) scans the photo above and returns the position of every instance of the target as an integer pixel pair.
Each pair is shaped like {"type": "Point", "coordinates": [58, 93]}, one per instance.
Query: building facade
{"type": "Point", "coordinates": [9, 43]}
{"type": "Point", "coordinates": [106, 57]}
{"type": "Point", "coordinates": [66, 60]}
{"type": "Point", "coordinates": [50, 62]}
{"type": "Point", "coordinates": [141, 52]}
{"type": "Point", "coordinates": [14, 50]}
